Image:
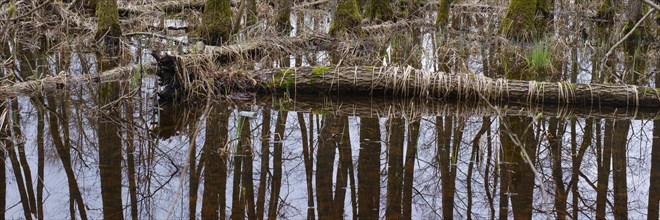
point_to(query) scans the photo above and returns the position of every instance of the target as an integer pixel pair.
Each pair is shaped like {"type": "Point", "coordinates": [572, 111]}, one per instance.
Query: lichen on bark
{"type": "Point", "coordinates": [108, 29]}
{"type": "Point", "coordinates": [216, 22]}
{"type": "Point", "coordinates": [381, 10]}
{"type": "Point", "coordinates": [347, 19]}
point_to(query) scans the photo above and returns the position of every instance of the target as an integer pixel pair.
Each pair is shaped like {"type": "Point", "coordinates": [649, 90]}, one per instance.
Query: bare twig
{"type": "Point", "coordinates": [653, 5]}
{"type": "Point", "coordinates": [621, 41]}
{"type": "Point", "coordinates": [29, 12]}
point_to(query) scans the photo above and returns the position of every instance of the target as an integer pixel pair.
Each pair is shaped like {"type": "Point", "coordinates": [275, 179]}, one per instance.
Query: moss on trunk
{"type": "Point", "coordinates": [216, 22]}
{"type": "Point", "coordinates": [381, 10]}
{"type": "Point", "coordinates": [521, 20]}
{"type": "Point", "coordinates": [347, 19]}
{"type": "Point", "coordinates": [108, 30]}
{"type": "Point", "coordinates": [633, 15]}
{"type": "Point", "coordinates": [443, 13]}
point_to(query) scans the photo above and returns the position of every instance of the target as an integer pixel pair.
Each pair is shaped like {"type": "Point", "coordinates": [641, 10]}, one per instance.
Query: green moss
{"type": "Point", "coordinates": [320, 70]}
{"type": "Point", "coordinates": [320, 111]}
{"type": "Point", "coordinates": [216, 22]}
{"type": "Point", "coordinates": [286, 72]}
{"type": "Point", "coordinates": [108, 28]}
{"type": "Point", "coordinates": [347, 19]}
{"type": "Point", "coordinates": [381, 10]}
{"type": "Point", "coordinates": [284, 79]}
{"type": "Point", "coordinates": [518, 22]}
{"type": "Point", "coordinates": [649, 90]}
{"type": "Point", "coordinates": [443, 13]}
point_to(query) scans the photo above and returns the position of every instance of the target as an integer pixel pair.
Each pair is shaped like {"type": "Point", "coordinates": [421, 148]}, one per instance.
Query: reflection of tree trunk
{"type": "Point", "coordinates": [194, 182]}
{"type": "Point", "coordinates": [345, 163]}
{"type": "Point", "coordinates": [395, 167]}
{"type": "Point", "coordinates": [556, 128]}
{"type": "Point", "coordinates": [265, 144]}
{"type": "Point", "coordinates": [16, 167]}
{"type": "Point", "coordinates": [577, 156]}
{"type": "Point", "coordinates": [369, 169]}
{"type": "Point", "coordinates": [40, 160]}
{"type": "Point", "coordinates": [521, 175]}
{"type": "Point", "coordinates": [308, 160]}
{"type": "Point", "coordinates": [3, 167]}
{"type": "Point", "coordinates": [215, 166]}
{"type": "Point", "coordinates": [489, 151]}
{"type": "Point", "coordinates": [23, 159]}
{"type": "Point", "coordinates": [603, 170]}
{"type": "Point", "coordinates": [409, 168]}
{"type": "Point", "coordinates": [485, 126]}
{"type": "Point", "coordinates": [130, 160]}
{"type": "Point", "coordinates": [654, 193]}
{"type": "Point", "coordinates": [447, 157]}
{"type": "Point", "coordinates": [246, 145]}
{"type": "Point", "coordinates": [618, 144]}
{"type": "Point", "coordinates": [237, 200]}
{"type": "Point", "coordinates": [110, 151]}
{"type": "Point", "coordinates": [109, 146]}
{"type": "Point", "coordinates": [330, 138]}
{"type": "Point", "coordinates": [276, 183]}
{"type": "Point", "coordinates": [62, 147]}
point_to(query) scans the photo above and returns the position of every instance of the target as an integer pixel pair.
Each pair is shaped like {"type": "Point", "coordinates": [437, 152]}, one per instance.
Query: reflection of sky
{"type": "Point", "coordinates": [427, 195]}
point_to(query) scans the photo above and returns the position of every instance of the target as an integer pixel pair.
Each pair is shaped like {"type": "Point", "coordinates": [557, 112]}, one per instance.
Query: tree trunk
{"type": "Point", "coordinates": [605, 10]}
{"type": "Point", "coordinates": [381, 10]}
{"type": "Point", "coordinates": [633, 14]}
{"type": "Point", "coordinates": [108, 28]}
{"type": "Point", "coordinates": [443, 13]}
{"type": "Point", "coordinates": [520, 21]}
{"type": "Point", "coordinates": [216, 22]}
{"type": "Point", "coordinates": [347, 19]}
{"type": "Point", "coordinates": [283, 16]}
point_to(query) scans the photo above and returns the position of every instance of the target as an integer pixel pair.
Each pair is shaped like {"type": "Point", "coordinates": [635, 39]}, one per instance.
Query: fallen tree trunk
{"type": "Point", "coordinates": [53, 83]}
{"type": "Point", "coordinates": [410, 82]}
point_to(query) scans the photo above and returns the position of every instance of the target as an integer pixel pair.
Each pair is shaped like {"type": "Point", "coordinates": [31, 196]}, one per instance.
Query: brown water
{"type": "Point", "coordinates": [110, 150]}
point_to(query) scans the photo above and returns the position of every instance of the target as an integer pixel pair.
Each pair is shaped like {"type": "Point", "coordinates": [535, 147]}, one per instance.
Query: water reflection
{"type": "Point", "coordinates": [126, 156]}
{"type": "Point", "coordinates": [307, 160]}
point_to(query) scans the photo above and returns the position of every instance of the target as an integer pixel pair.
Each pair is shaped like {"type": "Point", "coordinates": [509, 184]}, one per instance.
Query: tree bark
{"type": "Point", "coordinates": [347, 19]}
{"type": "Point", "coordinates": [408, 82]}
{"type": "Point", "coordinates": [108, 28]}
{"type": "Point", "coordinates": [216, 22]}
{"type": "Point", "coordinates": [443, 13]}
{"type": "Point", "coordinates": [381, 10]}
{"type": "Point", "coordinates": [520, 20]}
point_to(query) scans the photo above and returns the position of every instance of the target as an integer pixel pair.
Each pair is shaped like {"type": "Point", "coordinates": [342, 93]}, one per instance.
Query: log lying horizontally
{"type": "Point", "coordinates": [410, 82]}
{"type": "Point", "coordinates": [63, 81]}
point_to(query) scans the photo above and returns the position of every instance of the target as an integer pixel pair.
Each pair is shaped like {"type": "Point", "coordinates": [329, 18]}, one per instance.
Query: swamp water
{"type": "Point", "coordinates": [110, 150]}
